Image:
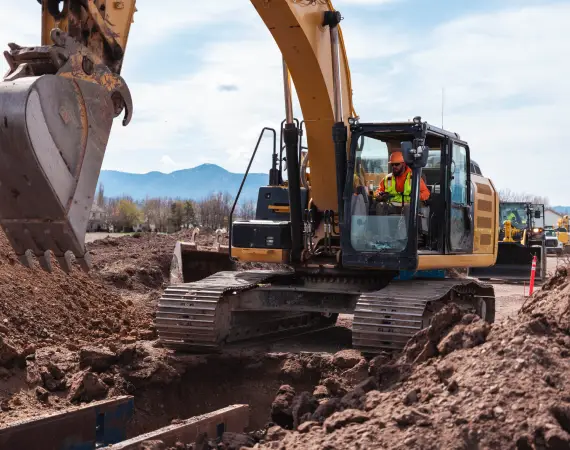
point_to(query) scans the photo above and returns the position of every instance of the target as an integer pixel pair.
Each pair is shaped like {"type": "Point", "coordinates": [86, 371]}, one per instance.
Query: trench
{"type": "Point", "coordinates": [216, 383]}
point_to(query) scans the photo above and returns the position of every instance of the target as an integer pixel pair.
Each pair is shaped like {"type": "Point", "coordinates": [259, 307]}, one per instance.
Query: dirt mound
{"type": "Point", "coordinates": [39, 308]}
{"type": "Point", "coordinates": [139, 263]}
{"type": "Point", "coordinates": [459, 384]}
{"type": "Point", "coordinates": [553, 300]}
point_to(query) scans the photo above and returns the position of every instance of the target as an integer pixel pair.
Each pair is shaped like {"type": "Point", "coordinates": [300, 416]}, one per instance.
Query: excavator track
{"type": "Point", "coordinates": [197, 316]}
{"type": "Point", "coordinates": [388, 318]}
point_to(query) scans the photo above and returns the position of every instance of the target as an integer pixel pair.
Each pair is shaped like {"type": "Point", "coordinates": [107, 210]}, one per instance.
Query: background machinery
{"type": "Point", "coordinates": [552, 243]}
{"type": "Point", "coordinates": [521, 237]}
{"type": "Point", "coordinates": [562, 233]}
{"type": "Point", "coordinates": [326, 247]}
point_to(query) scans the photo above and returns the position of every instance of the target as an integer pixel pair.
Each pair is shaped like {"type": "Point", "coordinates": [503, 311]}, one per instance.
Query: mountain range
{"type": "Point", "coordinates": [196, 183]}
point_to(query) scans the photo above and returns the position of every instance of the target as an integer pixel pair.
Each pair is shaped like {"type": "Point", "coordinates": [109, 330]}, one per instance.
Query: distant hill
{"type": "Point", "coordinates": [195, 183]}
{"type": "Point", "coordinates": [562, 209]}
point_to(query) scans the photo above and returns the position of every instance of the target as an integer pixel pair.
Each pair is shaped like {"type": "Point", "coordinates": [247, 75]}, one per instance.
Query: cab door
{"type": "Point", "coordinates": [460, 218]}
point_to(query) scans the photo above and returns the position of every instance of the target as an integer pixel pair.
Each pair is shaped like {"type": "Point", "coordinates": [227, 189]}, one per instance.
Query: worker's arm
{"type": "Point", "coordinates": [381, 188]}
{"type": "Point", "coordinates": [424, 191]}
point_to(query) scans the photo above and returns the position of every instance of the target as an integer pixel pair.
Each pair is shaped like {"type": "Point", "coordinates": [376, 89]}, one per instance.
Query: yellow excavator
{"type": "Point", "coordinates": [346, 249]}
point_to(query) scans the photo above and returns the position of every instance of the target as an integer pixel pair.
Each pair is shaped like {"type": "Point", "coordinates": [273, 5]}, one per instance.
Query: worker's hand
{"type": "Point", "coordinates": [382, 196]}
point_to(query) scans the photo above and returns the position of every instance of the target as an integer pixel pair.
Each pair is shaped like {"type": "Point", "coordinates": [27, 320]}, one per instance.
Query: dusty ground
{"type": "Point", "coordinates": [70, 339]}
{"type": "Point", "coordinates": [461, 384]}
{"type": "Point", "coordinates": [91, 237]}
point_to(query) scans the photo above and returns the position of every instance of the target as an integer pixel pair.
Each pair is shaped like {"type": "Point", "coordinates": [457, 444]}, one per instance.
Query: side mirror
{"type": "Point", "coordinates": [537, 215]}
{"type": "Point", "coordinates": [415, 155]}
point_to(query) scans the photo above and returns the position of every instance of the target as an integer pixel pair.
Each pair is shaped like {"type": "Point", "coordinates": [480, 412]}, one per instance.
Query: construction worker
{"type": "Point", "coordinates": [394, 191]}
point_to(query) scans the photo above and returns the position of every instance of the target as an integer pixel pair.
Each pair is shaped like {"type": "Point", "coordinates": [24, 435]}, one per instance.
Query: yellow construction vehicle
{"type": "Point", "coordinates": [347, 249]}
{"type": "Point", "coordinates": [521, 238]}
{"type": "Point", "coordinates": [562, 233]}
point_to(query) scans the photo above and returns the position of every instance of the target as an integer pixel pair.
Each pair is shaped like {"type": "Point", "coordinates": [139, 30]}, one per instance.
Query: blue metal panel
{"type": "Point", "coordinates": [112, 423]}
{"type": "Point", "coordinates": [413, 274]}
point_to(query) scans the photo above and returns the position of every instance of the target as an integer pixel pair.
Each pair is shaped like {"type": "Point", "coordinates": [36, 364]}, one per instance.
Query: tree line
{"type": "Point", "coordinates": [165, 214]}
{"type": "Point", "coordinates": [506, 195]}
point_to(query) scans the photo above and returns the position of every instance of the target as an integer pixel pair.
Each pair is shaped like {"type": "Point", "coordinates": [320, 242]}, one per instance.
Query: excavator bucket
{"type": "Point", "coordinates": [57, 105]}
{"type": "Point", "coordinates": [514, 263]}
{"type": "Point", "coordinates": [190, 264]}
{"type": "Point", "coordinates": [53, 135]}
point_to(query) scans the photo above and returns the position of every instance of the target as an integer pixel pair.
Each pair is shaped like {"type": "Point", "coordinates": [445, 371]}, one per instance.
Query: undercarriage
{"type": "Point", "coordinates": [232, 307]}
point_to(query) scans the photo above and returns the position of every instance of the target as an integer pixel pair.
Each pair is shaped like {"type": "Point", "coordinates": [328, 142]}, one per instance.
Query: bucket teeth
{"type": "Point", "coordinates": [65, 262]}
{"type": "Point", "coordinates": [45, 261]}
{"type": "Point", "coordinates": [26, 259]}
{"type": "Point", "coordinates": [84, 262]}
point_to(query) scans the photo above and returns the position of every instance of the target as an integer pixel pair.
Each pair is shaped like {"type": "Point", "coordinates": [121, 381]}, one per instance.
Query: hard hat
{"type": "Point", "coordinates": [396, 157]}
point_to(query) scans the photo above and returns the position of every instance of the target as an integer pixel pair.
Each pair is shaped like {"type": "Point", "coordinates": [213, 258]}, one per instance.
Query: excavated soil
{"type": "Point", "coordinates": [70, 339]}
{"type": "Point", "coordinates": [462, 384]}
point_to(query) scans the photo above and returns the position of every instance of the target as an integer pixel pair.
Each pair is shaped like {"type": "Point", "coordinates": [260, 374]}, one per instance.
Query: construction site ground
{"type": "Point", "coordinates": [67, 340]}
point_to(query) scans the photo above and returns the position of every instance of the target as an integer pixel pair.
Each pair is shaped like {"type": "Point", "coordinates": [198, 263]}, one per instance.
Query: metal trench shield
{"type": "Point", "coordinates": [52, 143]}
{"type": "Point", "coordinates": [190, 264]}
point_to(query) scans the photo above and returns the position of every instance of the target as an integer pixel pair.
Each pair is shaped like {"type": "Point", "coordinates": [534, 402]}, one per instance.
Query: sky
{"type": "Point", "coordinates": [206, 77]}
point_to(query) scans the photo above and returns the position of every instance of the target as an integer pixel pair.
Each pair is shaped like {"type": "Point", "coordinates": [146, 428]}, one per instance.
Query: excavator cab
{"type": "Point", "coordinates": [432, 216]}
{"type": "Point", "coordinates": [383, 230]}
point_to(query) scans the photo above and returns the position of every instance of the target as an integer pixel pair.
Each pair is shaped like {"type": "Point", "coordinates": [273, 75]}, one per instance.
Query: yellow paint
{"type": "Point", "coordinates": [430, 262]}
{"type": "Point", "coordinates": [305, 44]}
{"type": "Point", "coordinates": [279, 209]}
{"type": "Point", "coordinates": [260, 255]}
{"type": "Point", "coordinates": [118, 17]}
{"type": "Point", "coordinates": [563, 235]}
{"type": "Point", "coordinates": [482, 188]}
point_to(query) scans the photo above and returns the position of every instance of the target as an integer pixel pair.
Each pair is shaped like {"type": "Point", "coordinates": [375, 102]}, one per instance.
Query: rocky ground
{"type": "Point", "coordinates": [461, 384]}
{"type": "Point", "coordinates": [66, 340]}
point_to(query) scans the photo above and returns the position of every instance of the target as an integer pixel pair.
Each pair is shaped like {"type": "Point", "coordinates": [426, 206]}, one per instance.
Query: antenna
{"type": "Point", "coordinates": [442, 104]}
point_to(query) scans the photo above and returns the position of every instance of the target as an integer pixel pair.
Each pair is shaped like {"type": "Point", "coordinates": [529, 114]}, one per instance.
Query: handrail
{"type": "Point", "coordinates": [245, 177]}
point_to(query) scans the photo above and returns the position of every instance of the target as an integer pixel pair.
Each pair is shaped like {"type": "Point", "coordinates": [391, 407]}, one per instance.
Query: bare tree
{"type": "Point", "coordinates": [101, 196]}
{"type": "Point", "coordinates": [246, 210]}
{"type": "Point", "coordinates": [506, 195]}
{"type": "Point", "coordinates": [215, 210]}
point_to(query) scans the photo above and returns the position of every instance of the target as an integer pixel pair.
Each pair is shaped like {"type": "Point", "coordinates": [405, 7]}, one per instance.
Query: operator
{"type": "Point", "coordinates": [397, 187]}
{"type": "Point", "coordinates": [516, 221]}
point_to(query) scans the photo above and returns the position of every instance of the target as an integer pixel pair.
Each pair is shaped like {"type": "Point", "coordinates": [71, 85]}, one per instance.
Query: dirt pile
{"type": "Point", "coordinates": [139, 263]}
{"type": "Point", "coordinates": [459, 384]}
{"type": "Point", "coordinates": [42, 309]}
{"type": "Point", "coordinates": [552, 301]}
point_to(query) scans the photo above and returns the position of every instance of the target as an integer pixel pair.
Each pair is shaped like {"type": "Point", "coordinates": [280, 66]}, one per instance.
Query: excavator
{"type": "Point", "coordinates": [328, 243]}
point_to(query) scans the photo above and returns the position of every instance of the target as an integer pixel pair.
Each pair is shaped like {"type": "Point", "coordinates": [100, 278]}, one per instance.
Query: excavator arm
{"type": "Point", "coordinates": [57, 105]}
{"type": "Point", "coordinates": [58, 101]}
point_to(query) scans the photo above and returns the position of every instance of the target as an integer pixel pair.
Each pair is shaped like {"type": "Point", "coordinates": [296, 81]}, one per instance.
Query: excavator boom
{"type": "Point", "coordinates": [57, 104]}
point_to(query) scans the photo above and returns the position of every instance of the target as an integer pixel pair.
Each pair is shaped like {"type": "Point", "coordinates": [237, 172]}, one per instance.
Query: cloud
{"type": "Point", "coordinates": [228, 87]}
{"type": "Point", "coordinates": [365, 42]}
{"type": "Point", "coordinates": [505, 91]}
{"type": "Point", "coordinates": [22, 26]}
{"type": "Point", "coordinates": [504, 73]}
{"type": "Point", "coordinates": [191, 118]}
